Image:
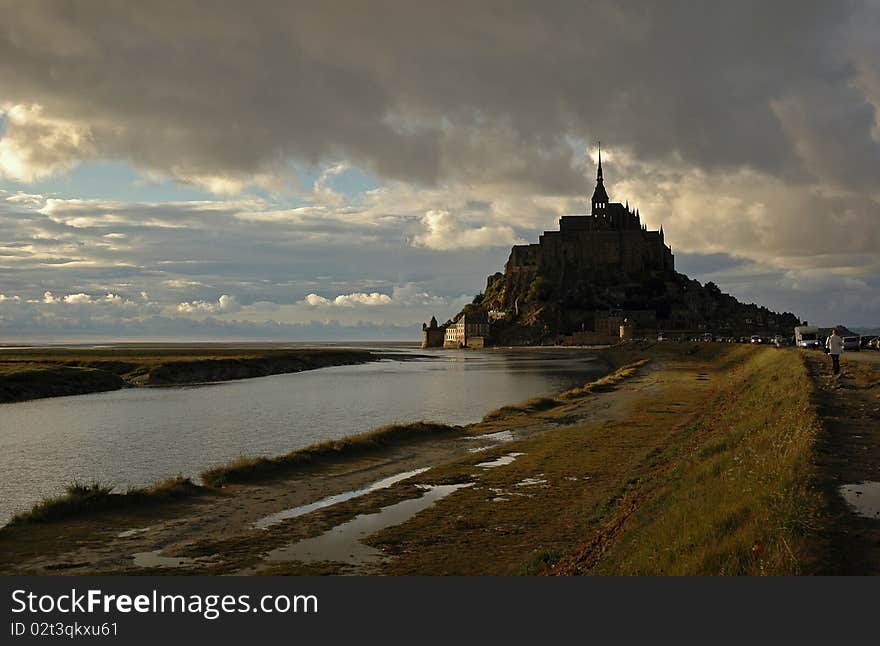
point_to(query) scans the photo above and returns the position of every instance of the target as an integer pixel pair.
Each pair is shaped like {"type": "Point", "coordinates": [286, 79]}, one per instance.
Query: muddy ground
{"type": "Point", "coordinates": [513, 495]}
{"type": "Point", "coordinates": [849, 457]}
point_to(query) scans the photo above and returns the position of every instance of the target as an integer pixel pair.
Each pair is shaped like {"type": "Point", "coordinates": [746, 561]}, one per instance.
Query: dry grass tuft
{"type": "Point", "coordinates": [83, 498]}
{"type": "Point", "coordinates": [538, 404]}
{"type": "Point", "coordinates": [248, 469]}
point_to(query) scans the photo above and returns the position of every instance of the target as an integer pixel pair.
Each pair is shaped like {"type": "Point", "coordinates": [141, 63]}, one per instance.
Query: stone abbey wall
{"type": "Point", "coordinates": [586, 243]}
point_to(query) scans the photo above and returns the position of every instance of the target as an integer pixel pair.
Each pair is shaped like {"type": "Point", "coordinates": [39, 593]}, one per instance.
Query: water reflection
{"type": "Point", "coordinates": [137, 436]}
{"type": "Point", "coordinates": [343, 543]}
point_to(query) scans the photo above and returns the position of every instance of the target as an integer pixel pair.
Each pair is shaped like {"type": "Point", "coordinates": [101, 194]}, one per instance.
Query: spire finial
{"type": "Point", "coordinates": [599, 173]}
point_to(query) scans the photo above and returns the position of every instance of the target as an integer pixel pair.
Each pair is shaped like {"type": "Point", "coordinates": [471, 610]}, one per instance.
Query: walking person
{"type": "Point", "coordinates": [835, 347]}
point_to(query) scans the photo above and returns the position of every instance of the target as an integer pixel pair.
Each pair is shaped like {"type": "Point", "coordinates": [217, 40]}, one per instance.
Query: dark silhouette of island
{"type": "Point", "coordinates": [599, 272]}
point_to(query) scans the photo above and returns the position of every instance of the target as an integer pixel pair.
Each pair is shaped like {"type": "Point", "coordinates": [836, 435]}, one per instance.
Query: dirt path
{"type": "Point", "coordinates": [220, 533]}
{"type": "Point", "coordinates": [849, 458]}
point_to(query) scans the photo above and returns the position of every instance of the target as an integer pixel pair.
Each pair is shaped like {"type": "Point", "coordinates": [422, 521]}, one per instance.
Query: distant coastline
{"type": "Point", "coordinates": [36, 373]}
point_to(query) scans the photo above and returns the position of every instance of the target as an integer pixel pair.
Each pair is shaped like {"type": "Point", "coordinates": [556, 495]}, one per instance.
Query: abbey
{"type": "Point", "coordinates": [599, 275]}
{"type": "Point", "coordinates": [611, 238]}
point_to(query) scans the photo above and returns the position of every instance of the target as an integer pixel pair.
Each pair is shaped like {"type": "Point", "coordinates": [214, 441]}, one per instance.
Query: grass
{"type": "Point", "coordinates": [538, 404]}
{"type": "Point", "coordinates": [52, 372]}
{"type": "Point", "coordinates": [83, 498]}
{"type": "Point", "coordinates": [606, 383]}
{"type": "Point", "coordinates": [738, 496]}
{"type": "Point", "coordinates": [28, 382]}
{"type": "Point", "coordinates": [248, 469]}
{"type": "Point", "coordinates": [709, 471]}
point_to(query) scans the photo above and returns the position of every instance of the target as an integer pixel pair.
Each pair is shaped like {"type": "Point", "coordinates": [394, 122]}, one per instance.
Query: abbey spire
{"type": "Point", "coordinates": [600, 196]}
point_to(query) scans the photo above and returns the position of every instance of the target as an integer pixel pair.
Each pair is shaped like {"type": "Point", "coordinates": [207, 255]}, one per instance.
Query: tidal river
{"type": "Point", "coordinates": [138, 436]}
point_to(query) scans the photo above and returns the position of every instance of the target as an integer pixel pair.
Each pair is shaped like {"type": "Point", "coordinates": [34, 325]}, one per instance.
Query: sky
{"type": "Point", "coordinates": [313, 170]}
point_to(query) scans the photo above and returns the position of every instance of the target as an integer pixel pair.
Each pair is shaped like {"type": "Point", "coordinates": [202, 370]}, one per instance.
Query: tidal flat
{"type": "Point", "coordinates": [686, 459]}
{"type": "Point", "coordinates": [33, 373]}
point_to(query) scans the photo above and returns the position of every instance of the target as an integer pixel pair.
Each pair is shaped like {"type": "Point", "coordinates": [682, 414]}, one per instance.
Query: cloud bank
{"type": "Point", "coordinates": [750, 131]}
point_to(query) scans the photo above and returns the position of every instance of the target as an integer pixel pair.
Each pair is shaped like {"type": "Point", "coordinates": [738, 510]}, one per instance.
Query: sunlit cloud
{"type": "Point", "coordinates": [224, 305]}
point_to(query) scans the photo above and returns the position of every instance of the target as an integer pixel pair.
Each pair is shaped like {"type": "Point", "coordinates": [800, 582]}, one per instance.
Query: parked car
{"type": "Point", "coordinates": [756, 338]}
{"type": "Point", "coordinates": [851, 344]}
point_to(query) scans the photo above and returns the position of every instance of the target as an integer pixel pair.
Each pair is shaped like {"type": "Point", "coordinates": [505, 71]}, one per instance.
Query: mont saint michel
{"type": "Point", "coordinates": [303, 288]}
{"type": "Point", "coordinates": [599, 271]}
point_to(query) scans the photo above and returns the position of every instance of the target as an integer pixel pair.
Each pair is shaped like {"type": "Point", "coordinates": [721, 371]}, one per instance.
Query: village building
{"type": "Point", "coordinates": [468, 331]}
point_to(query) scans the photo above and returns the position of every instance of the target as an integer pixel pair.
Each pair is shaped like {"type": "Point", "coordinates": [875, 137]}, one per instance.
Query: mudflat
{"type": "Point", "coordinates": [34, 373]}
{"type": "Point", "coordinates": [688, 459]}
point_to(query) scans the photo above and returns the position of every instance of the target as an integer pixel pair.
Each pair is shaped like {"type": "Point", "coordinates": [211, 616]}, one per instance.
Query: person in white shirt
{"type": "Point", "coordinates": [835, 347]}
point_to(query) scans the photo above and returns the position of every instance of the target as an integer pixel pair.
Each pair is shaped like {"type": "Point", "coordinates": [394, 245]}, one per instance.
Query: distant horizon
{"type": "Point", "coordinates": [85, 340]}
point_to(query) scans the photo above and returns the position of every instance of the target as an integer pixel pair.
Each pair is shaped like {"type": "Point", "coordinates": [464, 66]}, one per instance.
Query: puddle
{"type": "Point", "coordinates": [863, 498]}
{"type": "Point", "coordinates": [343, 542]}
{"type": "Point", "coordinates": [133, 532]}
{"type": "Point", "coordinates": [293, 512]}
{"type": "Point", "coordinates": [153, 559]}
{"type": "Point", "coordinates": [497, 438]}
{"type": "Point", "coordinates": [500, 462]}
{"type": "Point", "coordinates": [531, 482]}
{"type": "Point", "coordinates": [502, 495]}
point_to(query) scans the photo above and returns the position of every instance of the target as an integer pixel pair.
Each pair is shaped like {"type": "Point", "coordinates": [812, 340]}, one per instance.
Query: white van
{"type": "Point", "coordinates": [807, 337]}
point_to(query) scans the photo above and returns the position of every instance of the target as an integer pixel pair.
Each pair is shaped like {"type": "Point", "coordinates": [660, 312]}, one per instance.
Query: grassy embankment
{"type": "Point", "coordinates": [249, 469]}
{"type": "Point", "coordinates": [538, 404]}
{"type": "Point", "coordinates": [83, 499]}
{"type": "Point", "coordinates": [737, 493]}
{"type": "Point", "coordinates": [708, 473]}
{"type": "Point", "coordinates": [54, 372]}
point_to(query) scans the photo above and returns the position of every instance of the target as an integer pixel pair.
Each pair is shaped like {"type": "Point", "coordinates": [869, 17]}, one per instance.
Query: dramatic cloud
{"type": "Point", "coordinates": [443, 231]}
{"type": "Point", "coordinates": [432, 93]}
{"type": "Point", "coordinates": [377, 160]}
{"type": "Point", "coordinates": [34, 146]}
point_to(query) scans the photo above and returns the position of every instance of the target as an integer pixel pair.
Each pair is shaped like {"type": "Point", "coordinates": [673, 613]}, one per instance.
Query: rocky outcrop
{"type": "Point", "coordinates": [602, 268]}
{"type": "Point", "coordinates": [540, 305]}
